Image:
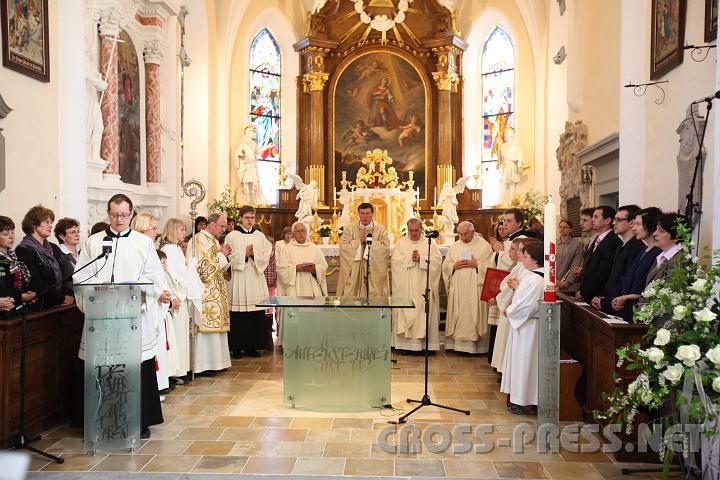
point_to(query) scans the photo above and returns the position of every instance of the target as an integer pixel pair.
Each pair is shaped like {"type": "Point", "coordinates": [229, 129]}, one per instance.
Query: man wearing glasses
{"type": "Point", "coordinates": [133, 259]}
{"type": "Point", "coordinates": [624, 256]}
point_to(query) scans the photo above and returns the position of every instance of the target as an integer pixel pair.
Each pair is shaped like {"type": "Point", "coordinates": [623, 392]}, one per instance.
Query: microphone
{"type": "Point", "coordinates": [107, 245]}
{"type": "Point", "coordinates": [368, 239]}
{"type": "Point", "coordinates": [432, 234]}
{"type": "Point", "coordinates": [707, 99]}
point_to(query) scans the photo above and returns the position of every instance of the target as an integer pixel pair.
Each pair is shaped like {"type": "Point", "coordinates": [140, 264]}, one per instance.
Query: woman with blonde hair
{"type": "Point", "coordinates": [186, 287]}
{"type": "Point", "coordinates": [147, 224]}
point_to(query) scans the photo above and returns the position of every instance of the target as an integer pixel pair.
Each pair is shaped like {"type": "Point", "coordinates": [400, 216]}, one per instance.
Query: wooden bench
{"type": "Point", "coordinates": [570, 371]}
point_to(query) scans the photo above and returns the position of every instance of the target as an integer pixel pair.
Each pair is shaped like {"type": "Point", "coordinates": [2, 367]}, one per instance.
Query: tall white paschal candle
{"type": "Point", "coordinates": [550, 224]}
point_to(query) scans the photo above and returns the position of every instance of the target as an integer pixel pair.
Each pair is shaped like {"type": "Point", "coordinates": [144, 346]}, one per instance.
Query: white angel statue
{"type": "Point", "coordinates": [246, 167]}
{"type": "Point", "coordinates": [308, 196]}
{"type": "Point", "coordinates": [448, 202]}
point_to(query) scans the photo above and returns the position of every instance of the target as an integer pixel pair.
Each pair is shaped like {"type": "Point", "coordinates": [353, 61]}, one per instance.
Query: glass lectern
{"type": "Point", "coordinates": [113, 339]}
{"type": "Point", "coordinates": [336, 351]}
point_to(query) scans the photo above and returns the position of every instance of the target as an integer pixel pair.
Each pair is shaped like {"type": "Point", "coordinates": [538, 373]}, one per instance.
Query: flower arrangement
{"type": "Point", "coordinates": [681, 357]}
{"type": "Point", "coordinates": [532, 205]}
{"type": "Point", "coordinates": [325, 230]}
{"type": "Point", "coordinates": [227, 204]}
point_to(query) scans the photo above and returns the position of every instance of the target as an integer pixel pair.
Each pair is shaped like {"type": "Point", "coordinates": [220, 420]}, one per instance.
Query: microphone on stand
{"type": "Point", "coordinates": [107, 245]}
{"type": "Point", "coordinates": [707, 99]}
{"type": "Point", "coordinates": [368, 239]}
{"type": "Point", "coordinates": [368, 242]}
{"type": "Point", "coordinates": [432, 234]}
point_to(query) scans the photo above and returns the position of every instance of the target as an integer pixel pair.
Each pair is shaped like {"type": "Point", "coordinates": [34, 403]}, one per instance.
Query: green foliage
{"type": "Point", "coordinates": [227, 204]}
{"type": "Point", "coordinates": [325, 230]}
{"type": "Point", "coordinates": [532, 205]}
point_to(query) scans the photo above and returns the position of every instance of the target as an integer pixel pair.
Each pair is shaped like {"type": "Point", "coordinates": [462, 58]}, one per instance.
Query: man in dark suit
{"type": "Point", "coordinates": [624, 256]}
{"type": "Point", "coordinates": [600, 255]}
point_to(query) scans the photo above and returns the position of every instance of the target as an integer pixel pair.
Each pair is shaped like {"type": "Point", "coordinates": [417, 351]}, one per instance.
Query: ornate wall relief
{"type": "Point", "coordinates": [686, 157]}
{"type": "Point", "coordinates": [572, 141]}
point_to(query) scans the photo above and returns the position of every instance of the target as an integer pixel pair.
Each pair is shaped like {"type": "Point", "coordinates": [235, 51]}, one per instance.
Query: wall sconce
{"type": "Point", "coordinates": [587, 174]}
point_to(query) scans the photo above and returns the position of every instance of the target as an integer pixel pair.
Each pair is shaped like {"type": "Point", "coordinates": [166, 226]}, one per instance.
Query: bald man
{"type": "Point", "coordinates": [466, 325]}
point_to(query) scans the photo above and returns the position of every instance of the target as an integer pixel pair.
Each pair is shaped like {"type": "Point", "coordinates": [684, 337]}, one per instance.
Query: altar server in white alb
{"type": "Point", "coordinates": [251, 255]}
{"type": "Point", "coordinates": [466, 327]}
{"type": "Point", "coordinates": [133, 259]}
{"type": "Point", "coordinates": [354, 249]}
{"type": "Point", "coordinates": [185, 286]}
{"type": "Point", "coordinates": [211, 343]}
{"type": "Point", "coordinates": [520, 370]}
{"type": "Point", "coordinates": [503, 300]}
{"type": "Point", "coordinates": [409, 264]}
{"type": "Point", "coordinates": [302, 266]}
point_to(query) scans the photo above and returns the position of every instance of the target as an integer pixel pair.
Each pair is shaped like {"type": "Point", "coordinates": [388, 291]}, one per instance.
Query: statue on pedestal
{"type": "Point", "coordinates": [448, 201]}
{"type": "Point", "coordinates": [95, 119]}
{"type": "Point", "coordinates": [246, 167]}
{"type": "Point", "coordinates": [308, 196]}
{"type": "Point", "coordinates": [510, 162]}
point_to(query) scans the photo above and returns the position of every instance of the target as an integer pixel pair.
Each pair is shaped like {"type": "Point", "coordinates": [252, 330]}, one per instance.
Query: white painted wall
{"type": "Point", "coordinates": [648, 142]}
{"type": "Point", "coordinates": [31, 133]}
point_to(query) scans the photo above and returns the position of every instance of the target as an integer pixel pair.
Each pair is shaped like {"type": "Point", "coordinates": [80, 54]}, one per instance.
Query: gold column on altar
{"type": "Point", "coordinates": [314, 83]}
{"type": "Point", "coordinates": [446, 80]}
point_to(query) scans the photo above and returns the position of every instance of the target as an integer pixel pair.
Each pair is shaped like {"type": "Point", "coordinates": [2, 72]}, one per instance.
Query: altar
{"type": "Point", "coordinates": [336, 351]}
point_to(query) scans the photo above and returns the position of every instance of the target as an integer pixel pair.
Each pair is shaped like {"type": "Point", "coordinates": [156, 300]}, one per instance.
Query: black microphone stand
{"type": "Point", "coordinates": [426, 401]}
{"type": "Point", "coordinates": [692, 207]}
{"type": "Point", "coordinates": [22, 442]}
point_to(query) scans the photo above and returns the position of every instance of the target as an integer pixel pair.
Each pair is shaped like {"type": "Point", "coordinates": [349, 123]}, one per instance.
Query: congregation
{"type": "Point", "coordinates": [206, 285]}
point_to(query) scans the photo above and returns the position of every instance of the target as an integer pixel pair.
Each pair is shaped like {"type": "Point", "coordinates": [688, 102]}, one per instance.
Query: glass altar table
{"type": "Point", "coordinates": [336, 351]}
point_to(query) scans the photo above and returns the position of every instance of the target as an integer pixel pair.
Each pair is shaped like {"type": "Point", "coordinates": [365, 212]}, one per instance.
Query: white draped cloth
{"type": "Point", "coordinates": [186, 286]}
{"type": "Point", "coordinates": [137, 262]}
{"type": "Point", "coordinates": [466, 325]}
{"type": "Point", "coordinates": [503, 299]}
{"type": "Point", "coordinates": [520, 369]}
{"type": "Point", "coordinates": [408, 281]}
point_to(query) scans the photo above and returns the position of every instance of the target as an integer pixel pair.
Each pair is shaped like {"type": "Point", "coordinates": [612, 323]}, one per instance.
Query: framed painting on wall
{"type": "Point", "coordinates": [380, 100]}
{"type": "Point", "coordinates": [711, 19]}
{"type": "Point", "coordinates": [25, 37]}
{"type": "Point", "coordinates": [667, 36]}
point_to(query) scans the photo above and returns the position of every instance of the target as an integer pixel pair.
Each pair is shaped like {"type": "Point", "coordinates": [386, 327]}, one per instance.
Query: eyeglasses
{"type": "Point", "coordinates": [621, 219]}
{"type": "Point", "coordinates": [119, 215]}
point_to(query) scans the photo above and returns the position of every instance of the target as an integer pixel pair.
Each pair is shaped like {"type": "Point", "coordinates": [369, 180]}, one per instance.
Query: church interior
{"type": "Point", "coordinates": [441, 110]}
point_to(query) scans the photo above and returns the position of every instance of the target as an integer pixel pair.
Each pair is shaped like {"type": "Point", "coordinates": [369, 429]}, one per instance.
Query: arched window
{"type": "Point", "coordinates": [498, 86]}
{"type": "Point", "coordinates": [265, 108]}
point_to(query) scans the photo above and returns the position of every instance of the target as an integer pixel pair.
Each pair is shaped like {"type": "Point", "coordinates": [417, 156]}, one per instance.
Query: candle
{"type": "Point", "coordinates": [334, 196]}
{"type": "Point", "coordinates": [550, 216]}
{"type": "Point", "coordinates": [417, 198]}
{"type": "Point", "coordinates": [434, 196]}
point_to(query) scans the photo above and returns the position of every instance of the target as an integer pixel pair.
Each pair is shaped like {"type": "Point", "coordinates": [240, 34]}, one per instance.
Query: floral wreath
{"type": "Point", "coordinates": [382, 23]}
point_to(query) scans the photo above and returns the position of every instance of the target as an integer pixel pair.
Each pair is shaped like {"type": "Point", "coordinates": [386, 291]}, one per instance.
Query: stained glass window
{"type": "Point", "coordinates": [498, 85]}
{"type": "Point", "coordinates": [265, 108]}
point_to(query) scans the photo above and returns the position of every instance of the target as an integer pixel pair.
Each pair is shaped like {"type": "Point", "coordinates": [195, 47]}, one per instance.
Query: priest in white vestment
{"type": "Point", "coordinates": [466, 324]}
{"type": "Point", "coordinates": [520, 369]}
{"type": "Point", "coordinates": [211, 345]}
{"type": "Point", "coordinates": [133, 259]}
{"type": "Point", "coordinates": [302, 266]}
{"type": "Point", "coordinates": [410, 264]}
{"type": "Point", "coordinates": [356, 241]}
{"type": "Point", "coordinates": [251, 257]}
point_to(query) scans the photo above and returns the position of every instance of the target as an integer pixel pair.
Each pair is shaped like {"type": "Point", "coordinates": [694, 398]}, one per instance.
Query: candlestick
{"type": "Point", "coordinates": [434, 195]}
{"type": "Point", "coordinates": [550, 217]}
{"type": "Point", "coordinates": [334, 196]}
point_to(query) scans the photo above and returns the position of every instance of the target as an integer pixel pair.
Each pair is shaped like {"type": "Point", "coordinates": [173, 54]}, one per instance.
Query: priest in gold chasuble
{"type": "Point", "coordinates": [211, 346]}
{"type": "Point", "coordinates": [354, 247]}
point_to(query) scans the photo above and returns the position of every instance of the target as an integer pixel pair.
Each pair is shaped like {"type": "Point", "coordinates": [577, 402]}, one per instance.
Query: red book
{"type": "Point", "coordinates": [491, 286]}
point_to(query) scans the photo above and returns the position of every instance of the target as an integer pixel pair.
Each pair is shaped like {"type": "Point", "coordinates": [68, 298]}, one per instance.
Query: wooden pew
{"type": "Point", "coordinates": [53, 340]}
{"type": "Point", "coordinates": [587, 337]}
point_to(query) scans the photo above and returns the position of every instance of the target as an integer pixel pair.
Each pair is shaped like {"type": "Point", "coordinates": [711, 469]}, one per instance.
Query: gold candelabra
{"type": "Point", "coordinates": [334, 236]}
{"type": "Point", "coordinates": [314, 229]}
{"type": "Point", "coordinates": [344, 182]}
{"type": "Point", "coordinates": [435, 218]}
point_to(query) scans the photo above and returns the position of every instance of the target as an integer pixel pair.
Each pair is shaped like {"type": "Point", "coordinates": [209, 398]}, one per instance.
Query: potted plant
{"type": "Point", "coordinates": [325, 231]}
{"type": "Point", "coordinates": [678, 365]}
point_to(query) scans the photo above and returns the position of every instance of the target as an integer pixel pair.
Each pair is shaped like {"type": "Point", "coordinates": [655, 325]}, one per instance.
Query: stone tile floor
{"type": "Point", "coordinates": [236, 423]}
